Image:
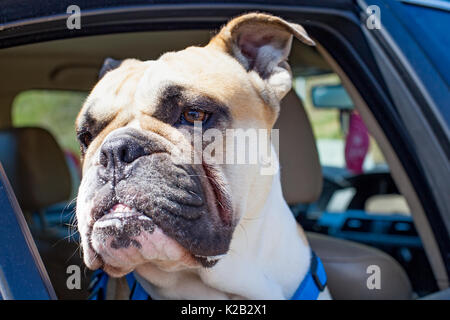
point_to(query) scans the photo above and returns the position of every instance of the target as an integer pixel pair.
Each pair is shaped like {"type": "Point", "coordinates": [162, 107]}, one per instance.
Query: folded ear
{"type": "Point", "coordinates": [261, 43]}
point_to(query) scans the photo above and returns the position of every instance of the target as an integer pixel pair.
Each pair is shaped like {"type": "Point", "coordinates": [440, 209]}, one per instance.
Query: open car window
{"type": "Point", "coordinates": [350, 157]}
{"type": "Point", "coordinates": [54, 110]}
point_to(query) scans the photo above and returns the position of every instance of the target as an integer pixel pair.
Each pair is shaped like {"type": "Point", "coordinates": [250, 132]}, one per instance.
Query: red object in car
{"type": "Point", "coordinates": [356, 144]}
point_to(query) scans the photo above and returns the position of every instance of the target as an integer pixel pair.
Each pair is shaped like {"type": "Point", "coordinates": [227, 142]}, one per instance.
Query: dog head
{"type": "Point", "coordinates": [143, 201]}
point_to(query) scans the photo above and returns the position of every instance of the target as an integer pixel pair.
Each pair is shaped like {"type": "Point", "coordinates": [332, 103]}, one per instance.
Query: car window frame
{"type": "Point", "coordinates": [338, 24]}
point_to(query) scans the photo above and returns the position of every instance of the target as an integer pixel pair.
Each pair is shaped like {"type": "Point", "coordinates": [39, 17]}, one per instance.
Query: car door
{"type": "Point", "coordinates": [410, 46]}
{"type": "Point", "coordinates": [399, 77]}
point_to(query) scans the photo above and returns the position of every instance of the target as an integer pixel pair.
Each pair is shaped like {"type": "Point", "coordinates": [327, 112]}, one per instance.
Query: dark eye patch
{"type": "Point", "coordinates": [176, 101]}
{"type": "Point", "coordinates": [170, 105]}
{"type": "Point", "coordinates": [85, 138]}
{"type": "Point", "coordinates": [88, 128]}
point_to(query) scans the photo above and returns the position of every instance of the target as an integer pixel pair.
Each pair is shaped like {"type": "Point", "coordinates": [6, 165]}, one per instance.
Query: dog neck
{"type": "Point", "coordinates": [268, 258]}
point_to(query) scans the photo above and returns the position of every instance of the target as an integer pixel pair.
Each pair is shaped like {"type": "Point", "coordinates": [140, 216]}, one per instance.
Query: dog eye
{"type": "Point", "coordinates": [192, 115]}
{"type": "Point", "coordinates": [85, 138]}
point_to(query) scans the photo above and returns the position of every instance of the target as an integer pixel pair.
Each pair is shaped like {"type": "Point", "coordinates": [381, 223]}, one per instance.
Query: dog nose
{"type": "Point", "coordinates": [120, 151]}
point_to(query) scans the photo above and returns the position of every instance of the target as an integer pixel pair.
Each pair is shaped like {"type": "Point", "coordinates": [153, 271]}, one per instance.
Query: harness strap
{"type": "Point", "coordinates": [137, 292]}
{"type": "Point", "coordinates": [314, 282]}
{"type": "Point", "coordinates": [97, 287]}
{"type": "Point", "coordinates": [99, 283]}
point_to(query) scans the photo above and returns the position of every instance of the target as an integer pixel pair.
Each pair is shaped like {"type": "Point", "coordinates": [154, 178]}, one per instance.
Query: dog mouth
{"type": "Point", "coordinates": [121, 224]}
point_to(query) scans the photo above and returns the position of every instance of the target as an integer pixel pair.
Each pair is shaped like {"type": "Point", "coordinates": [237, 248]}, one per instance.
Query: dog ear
{"type": "Point", "coordinates": [261, 43]}
{"type": "Point", "coordinates": [108, 65]}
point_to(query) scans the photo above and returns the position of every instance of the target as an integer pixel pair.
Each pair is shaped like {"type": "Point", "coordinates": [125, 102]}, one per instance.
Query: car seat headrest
{"type": "Point", "coordinates": [301, 173]}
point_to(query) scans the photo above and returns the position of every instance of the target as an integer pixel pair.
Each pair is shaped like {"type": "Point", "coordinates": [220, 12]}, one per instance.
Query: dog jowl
{"type": "Point", "coordinates": [137, 204]}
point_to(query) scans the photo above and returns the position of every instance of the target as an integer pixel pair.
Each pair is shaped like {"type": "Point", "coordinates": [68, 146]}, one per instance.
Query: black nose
{"type": "Point", "coordinates": [120, 151]}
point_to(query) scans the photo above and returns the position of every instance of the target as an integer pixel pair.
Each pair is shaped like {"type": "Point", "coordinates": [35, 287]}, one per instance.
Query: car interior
{"type": "Point", "coordinates": [379, 219]}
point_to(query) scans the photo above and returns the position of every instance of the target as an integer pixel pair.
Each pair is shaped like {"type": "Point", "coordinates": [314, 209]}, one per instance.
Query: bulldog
{"type": "Point", "coordinates": [191, 230]}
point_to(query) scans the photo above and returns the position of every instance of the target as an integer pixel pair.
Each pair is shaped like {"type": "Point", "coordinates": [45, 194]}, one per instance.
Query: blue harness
{"type": "Point", "coordinates": [97, 287]}
{"type": "Point", "coordinates": [312, 285]}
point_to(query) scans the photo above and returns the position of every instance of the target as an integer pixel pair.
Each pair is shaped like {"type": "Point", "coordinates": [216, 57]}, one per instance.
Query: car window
{"type": "Point", "coordinates": [54, 110]}
{"type": "Point", "coordinates": [330, 126]}
{"type": "Point", "coordinates": [356, 175]}
{"type": "Point", "coordinates": [359, 200]}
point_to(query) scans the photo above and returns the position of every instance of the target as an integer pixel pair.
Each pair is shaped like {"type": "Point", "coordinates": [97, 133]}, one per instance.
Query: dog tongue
{"type": "Point", "coordinates": [119, 207]}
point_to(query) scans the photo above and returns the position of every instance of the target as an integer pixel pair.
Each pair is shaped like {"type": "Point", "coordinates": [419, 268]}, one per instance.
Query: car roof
{"type": "Point", "coordinates": [15, 10]}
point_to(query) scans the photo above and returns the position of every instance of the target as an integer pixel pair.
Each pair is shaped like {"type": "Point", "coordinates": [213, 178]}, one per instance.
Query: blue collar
{"type": "Point", "coordinates": [314, 282]}
{"type": "Point", "coordinates": [312, 285]}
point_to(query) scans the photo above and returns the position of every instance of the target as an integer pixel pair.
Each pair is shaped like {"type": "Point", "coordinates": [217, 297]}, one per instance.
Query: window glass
{"type": "Point", "coordinates": [331, 124]}
{"type": "Point", "coordinates": [53, 110]}
{"type": "Point", "coordinates": [356, 176]}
